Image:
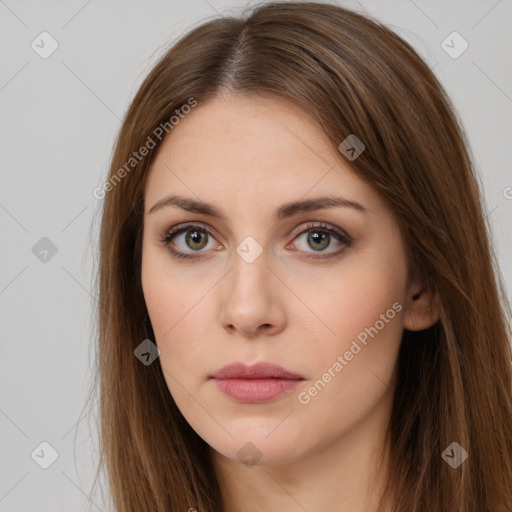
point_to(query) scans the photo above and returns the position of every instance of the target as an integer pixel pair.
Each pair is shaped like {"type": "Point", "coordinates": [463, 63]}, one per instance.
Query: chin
{"type": "Point", "coordinates": [275, 449]}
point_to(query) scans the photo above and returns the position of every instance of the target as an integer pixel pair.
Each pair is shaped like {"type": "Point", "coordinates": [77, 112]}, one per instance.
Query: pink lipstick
{"type": "Point", "coordinates": [257, 383]}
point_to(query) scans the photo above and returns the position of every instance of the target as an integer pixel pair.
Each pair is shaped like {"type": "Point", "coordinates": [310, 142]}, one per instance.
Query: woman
{"type": "Point", "coordinates": [300, 302]}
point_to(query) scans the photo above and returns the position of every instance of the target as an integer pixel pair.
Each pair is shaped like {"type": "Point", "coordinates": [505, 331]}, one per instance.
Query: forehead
{"type": "Point", "coordinates": [249, 152]}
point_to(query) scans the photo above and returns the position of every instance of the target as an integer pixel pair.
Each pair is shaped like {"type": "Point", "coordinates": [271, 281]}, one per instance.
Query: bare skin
{"type": "Point", "coordinates": [301, 303]}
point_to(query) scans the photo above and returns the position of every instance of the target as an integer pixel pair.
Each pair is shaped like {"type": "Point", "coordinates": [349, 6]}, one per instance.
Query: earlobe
{"type": "Point", "coordinates": [421, 311]}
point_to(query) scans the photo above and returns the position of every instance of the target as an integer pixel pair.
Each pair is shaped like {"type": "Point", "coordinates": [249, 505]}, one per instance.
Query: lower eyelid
{"type": "Point", "coordinates": [319, 255]}
{"type": "Point", "coordinates": [169, 235]}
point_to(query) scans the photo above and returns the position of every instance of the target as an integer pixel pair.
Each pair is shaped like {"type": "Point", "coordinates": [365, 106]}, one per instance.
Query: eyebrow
{"type": "Point", "coordinates": [284, 211]}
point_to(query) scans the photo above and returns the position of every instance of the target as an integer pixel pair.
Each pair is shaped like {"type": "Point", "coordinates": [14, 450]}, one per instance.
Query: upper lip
{"type": "Point", "coordinates": [256, 371]}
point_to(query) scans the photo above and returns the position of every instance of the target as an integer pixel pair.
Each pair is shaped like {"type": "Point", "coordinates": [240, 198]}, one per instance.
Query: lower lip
{"type": "Point", "coordinates": [254, 391]}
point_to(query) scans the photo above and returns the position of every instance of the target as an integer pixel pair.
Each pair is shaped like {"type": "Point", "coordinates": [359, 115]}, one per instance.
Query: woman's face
{"type": "Point", "coordinates": [320, 292]}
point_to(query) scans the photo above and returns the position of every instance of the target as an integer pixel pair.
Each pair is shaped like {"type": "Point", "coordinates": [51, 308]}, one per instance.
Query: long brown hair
{"type": "Point", "coordinates": [352, 75]}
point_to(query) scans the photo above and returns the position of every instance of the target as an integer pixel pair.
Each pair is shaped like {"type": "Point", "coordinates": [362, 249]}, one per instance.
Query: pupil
{"type": "Point", "coordinates": [318, 237]}
{"type": "Point", "coordinates": [195, 238]}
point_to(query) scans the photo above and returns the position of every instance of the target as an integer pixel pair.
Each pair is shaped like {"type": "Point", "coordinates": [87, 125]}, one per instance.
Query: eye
{"type": "Point", "coordinates": [193, 238]}
{"type": "Point", "coordinates": [320, 236]}
{"type": "Point", "coordinates": [189, 238]}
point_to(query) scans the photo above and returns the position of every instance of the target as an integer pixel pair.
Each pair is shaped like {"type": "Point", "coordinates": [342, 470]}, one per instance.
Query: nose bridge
{"type": "Point", "coordinates": [250, 275]}
{"type": "Point", "coordinates": [249, 294]}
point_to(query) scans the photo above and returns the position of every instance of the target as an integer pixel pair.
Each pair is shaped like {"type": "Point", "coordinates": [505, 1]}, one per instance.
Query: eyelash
{"type": "Point", "coordinates": [176, 230]}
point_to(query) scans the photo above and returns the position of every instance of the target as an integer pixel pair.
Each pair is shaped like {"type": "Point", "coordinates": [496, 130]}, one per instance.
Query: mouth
{"type": "Point", "coordinates": [258, 383]}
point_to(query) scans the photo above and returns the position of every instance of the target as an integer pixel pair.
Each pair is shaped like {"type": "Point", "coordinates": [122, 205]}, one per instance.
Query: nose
{"type": "Point", "coordinates": [252, 299]}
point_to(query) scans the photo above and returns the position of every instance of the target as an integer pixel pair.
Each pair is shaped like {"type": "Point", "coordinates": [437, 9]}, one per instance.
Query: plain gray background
{"type": "Point", "coordinates": [59, 119]}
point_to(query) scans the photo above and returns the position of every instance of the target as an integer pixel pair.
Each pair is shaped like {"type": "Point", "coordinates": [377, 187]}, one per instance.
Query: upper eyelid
{"type": "Point", "coordinates": [343, 238]}
{"type": "Point", "coordinates": [180, 228]}
{"type": "Point", "coordinates": [310, 225]}
{"type": "Point", "coordinates": [301, 229]}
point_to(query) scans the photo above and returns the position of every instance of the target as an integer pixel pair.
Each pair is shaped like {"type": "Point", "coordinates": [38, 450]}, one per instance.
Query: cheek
{"type": "Point", "coordinates": [353, 370]}
{"type": "Point", "coordinates": [176, 308]}
{"type": "Point", "coordinates": [167, 311]}
{"type": "Point", "coordinates": [167, 295]}
{"type": "Point", "coordinates": [363, 310]}
{"type": "Point", "coordinates": [354, 299]}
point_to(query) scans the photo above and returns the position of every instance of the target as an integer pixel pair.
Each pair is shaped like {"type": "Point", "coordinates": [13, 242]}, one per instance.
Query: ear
{"type": "Point", "coordinates": [422, 308]}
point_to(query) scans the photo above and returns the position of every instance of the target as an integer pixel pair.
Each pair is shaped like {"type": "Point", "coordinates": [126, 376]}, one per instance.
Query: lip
{"type": "Point", "coordinates": [257, 383]}
{"type": "Point", "coordinates": [261, 370]}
